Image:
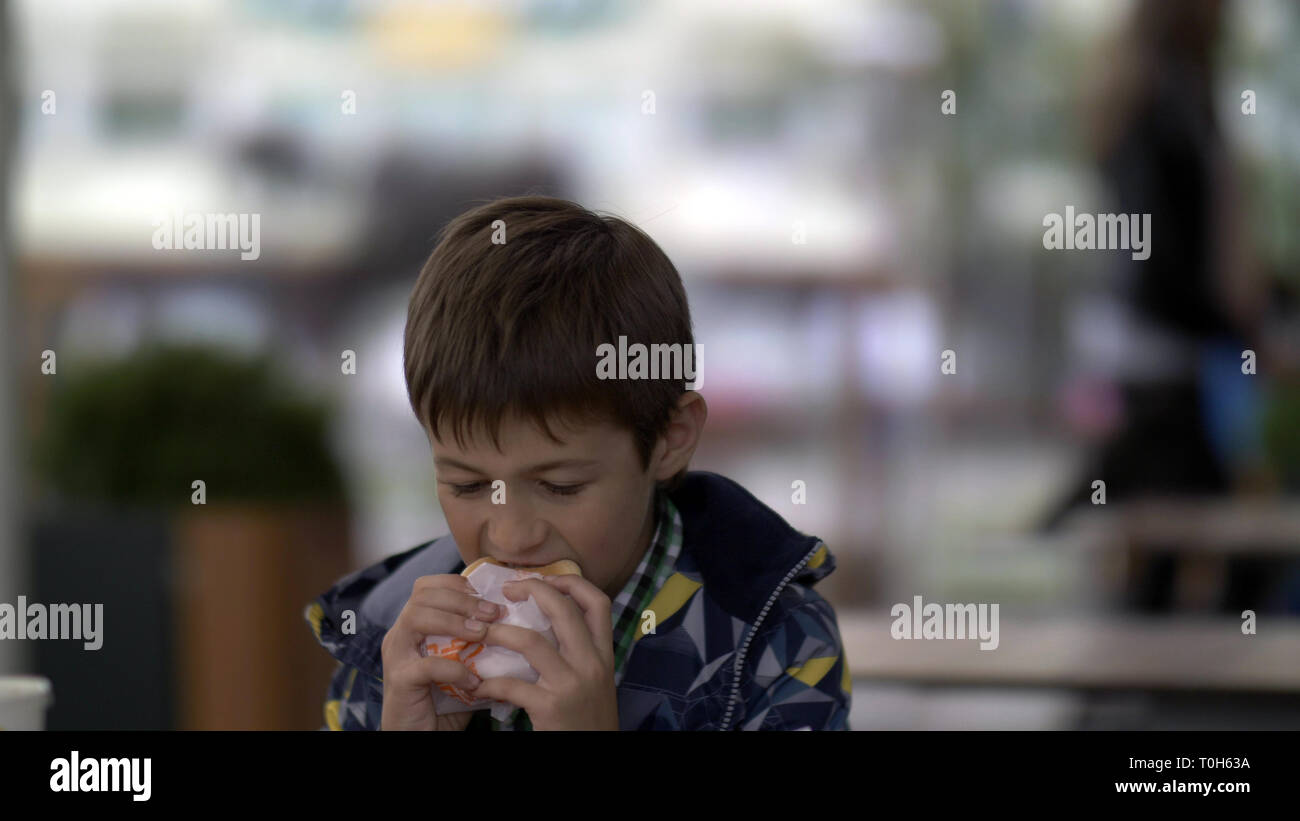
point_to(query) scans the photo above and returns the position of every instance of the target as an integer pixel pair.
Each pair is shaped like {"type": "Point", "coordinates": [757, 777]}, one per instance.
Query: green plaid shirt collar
{"type": "Point", "coordinates": [632, 600]}
{"type": "Point", "coordinates": [650, 575]}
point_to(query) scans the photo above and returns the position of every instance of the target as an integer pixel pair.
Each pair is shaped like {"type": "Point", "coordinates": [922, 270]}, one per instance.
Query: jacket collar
{"type": "Point", "coordinates": [742, 549]}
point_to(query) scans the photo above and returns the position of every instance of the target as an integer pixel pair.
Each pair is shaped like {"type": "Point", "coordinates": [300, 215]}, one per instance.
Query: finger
{"type": "Point", "coordinates": [513, 691]}
{"type": "Point", "coordinates": [534, 647]}
{"type": "Point", "coordinates": [426, 621]}
{"type": "Point", "coordinates": [418, 621]}
{"type": "Point", "coordinates": [568, 622]}
{"type": "Point", "coordinates": [445, 581]}
{"type": "Point", "coordinates": [596, 610]}
{"type": "Point", "coordinates": [454, 601]}
{"type": "Point", "coordinates": [426, 672]}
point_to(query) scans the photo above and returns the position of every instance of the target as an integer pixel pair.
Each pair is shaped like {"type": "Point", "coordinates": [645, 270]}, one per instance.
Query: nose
{"type": "Point", "coordinates": [513, 531]}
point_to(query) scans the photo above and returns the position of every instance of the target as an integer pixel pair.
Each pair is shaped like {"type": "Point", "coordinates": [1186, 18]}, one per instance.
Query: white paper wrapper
{"type": "Point", "coordinates": [486, 661]}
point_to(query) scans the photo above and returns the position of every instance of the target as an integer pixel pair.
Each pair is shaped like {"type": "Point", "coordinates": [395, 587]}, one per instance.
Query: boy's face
{"type": "Point", "coordinates": [588, 500]}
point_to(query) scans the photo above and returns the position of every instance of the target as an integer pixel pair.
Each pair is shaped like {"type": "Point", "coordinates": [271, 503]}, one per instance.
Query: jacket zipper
{"type": "Point", "coordinates": [744, 647]}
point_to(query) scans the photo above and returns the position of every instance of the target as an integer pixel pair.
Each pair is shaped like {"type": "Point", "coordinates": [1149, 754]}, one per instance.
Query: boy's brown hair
{"type": "Point", "coordinates": [514, 327]}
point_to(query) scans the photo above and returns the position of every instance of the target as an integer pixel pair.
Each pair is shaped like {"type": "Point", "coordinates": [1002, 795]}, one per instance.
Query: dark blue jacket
{"type": "Point", "coordinates": [741, 642]}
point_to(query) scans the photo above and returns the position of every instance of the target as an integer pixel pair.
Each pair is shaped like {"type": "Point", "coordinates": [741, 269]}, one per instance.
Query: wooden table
{"type": "Point", "coordinates": [1215, 526]}
{"type": "Point", "coordinates": [1173, 653]}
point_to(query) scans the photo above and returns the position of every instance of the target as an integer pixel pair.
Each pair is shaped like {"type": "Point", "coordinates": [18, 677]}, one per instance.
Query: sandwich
{"type": "Point", "coordinates": [564, 567]}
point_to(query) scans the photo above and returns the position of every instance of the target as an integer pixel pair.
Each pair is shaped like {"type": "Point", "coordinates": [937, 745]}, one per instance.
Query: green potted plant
{"type": "Point", "coordinates": [203, 584]}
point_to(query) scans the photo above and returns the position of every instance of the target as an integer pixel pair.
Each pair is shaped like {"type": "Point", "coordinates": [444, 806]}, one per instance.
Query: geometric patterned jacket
{"type": "Point", "coordinates": [741, 641]}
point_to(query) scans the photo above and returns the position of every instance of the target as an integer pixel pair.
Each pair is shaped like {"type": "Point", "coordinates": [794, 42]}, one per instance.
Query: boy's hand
{"type": "Point", "coordinates": [575, 690]}
{"type": "Point", "coordinates": [439, 605]}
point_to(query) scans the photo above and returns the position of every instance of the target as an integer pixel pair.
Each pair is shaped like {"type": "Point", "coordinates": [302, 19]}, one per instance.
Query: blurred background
{"type": "Point", "coordinates": [839, 222]}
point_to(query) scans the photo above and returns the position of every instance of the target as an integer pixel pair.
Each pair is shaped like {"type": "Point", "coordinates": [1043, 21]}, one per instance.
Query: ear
{"type": "Point", "coordinates": [675, 448]}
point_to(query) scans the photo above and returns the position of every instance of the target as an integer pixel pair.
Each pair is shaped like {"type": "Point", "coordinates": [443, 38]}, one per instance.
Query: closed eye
{"type": "Point", "coordinates": [563, 490]}
{"type": "Point", "coordinates": [465, 490]}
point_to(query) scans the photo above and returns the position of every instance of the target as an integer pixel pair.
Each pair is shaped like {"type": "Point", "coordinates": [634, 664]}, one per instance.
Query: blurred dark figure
{"type": "Point", "coordinates": [1194, 305]}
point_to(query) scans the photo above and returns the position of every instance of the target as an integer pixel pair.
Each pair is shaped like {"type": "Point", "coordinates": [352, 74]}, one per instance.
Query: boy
{"type": "Point", "coordinates": [694, 610]}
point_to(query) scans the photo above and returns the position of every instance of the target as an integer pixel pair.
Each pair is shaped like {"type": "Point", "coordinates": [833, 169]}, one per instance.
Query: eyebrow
{"type": "Point", "coordinates": [446, 461]}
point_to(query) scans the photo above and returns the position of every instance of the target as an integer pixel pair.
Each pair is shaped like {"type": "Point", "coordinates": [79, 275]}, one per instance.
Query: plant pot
{"type": "Point", "coordinates": [246, 659]}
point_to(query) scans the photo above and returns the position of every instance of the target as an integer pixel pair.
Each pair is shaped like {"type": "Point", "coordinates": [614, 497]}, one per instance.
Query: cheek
{"type": "Point", "coordinates": [461, 519]}
{"type": "Point", "coordinates": [604, 535]}
{"type": "Point", "coordinates": [584, 531]}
